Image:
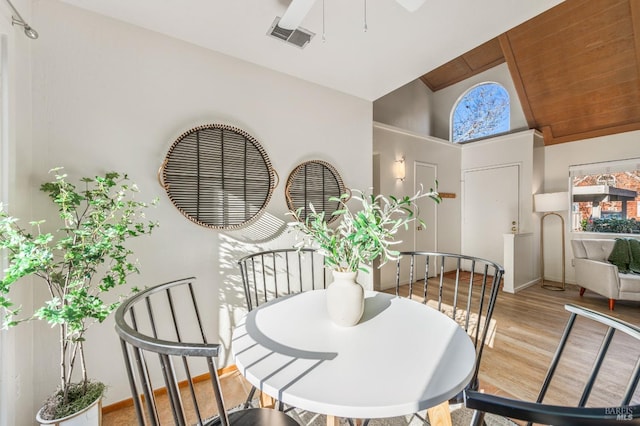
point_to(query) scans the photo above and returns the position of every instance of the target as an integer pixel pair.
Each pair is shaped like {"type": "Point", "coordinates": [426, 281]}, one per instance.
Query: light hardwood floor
{"type": "Point", "coordinates": [529, 325]}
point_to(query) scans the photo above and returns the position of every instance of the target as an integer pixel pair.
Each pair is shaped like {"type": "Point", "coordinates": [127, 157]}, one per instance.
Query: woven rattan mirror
{"type": "Point", "coordinates": [314, 182]}
{"type": "Point", "coordinates": [218, 176]}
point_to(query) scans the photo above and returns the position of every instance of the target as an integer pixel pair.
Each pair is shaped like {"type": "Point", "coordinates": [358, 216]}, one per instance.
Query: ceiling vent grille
{"type": "Point", "coordinates": [299, 37]}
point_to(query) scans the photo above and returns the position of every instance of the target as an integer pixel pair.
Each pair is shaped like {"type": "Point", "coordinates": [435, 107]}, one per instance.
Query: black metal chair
{"type": "Point", "coordinates": [270, 274]}
{"type": "Point", "coordinates": [267, 275]}
{"type": "Point", "coordinates": [579, 414]}
{"type": "Point", "coordinates": [463, 287]}
{"type": "Point", "coordinates": [164, 340]}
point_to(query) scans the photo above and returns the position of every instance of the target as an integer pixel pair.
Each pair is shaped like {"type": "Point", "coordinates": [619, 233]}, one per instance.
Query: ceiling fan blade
{"type": "Point", "coordinates": [295, 13]}
{"type": "Point", "coordinates": [410, 5]}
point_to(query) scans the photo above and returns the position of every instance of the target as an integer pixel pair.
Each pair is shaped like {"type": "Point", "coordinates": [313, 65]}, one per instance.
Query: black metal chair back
{"type": "Point", "coordinates": [604, 355]}
{"type": "Point", "coordinates": [463, 287]}
{"type": "Point", "coordinates": [164, 340]}
{"type": "Point", "coordinates": [270, 274]}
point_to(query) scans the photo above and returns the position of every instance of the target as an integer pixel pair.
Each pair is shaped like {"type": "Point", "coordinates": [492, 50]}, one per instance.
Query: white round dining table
{"type": "Point", "coordinates": [401, 358]}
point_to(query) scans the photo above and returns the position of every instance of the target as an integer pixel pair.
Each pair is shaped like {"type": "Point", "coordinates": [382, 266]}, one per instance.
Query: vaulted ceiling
{"type": "Point", "coordinates": [576, 68]}
{"type": "Point", "coordinates": [575, 63]}
{"type": "Point", "coordinates": [397, 47]}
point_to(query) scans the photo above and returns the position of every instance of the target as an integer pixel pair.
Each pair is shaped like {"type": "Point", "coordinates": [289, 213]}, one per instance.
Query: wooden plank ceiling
{"type": "Point", "coordinates": [576, 68]}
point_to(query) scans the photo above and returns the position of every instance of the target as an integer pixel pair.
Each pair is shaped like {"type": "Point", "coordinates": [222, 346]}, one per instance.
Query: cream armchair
{"type": "Point", "coordinates": [595, 273]}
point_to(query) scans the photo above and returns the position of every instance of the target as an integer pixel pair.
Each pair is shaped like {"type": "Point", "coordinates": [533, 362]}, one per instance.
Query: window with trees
{"type": "Point", "coordinates": [606, 197]}
{"type": "Point", "coordinates": [480, 112]}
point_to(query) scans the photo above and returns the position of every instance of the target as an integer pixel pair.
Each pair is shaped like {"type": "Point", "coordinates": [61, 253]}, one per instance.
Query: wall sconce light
{"type": "Point", "coordinates": [16, 19]}
{"type": "Point", "coordinates": [399, 169]}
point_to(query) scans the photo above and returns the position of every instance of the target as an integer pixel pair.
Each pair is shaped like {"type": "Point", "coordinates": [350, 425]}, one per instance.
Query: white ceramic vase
{"type": "Point", "coordinates": [90, 416]}
{"type": "Point", "coordinates": [345, 299]}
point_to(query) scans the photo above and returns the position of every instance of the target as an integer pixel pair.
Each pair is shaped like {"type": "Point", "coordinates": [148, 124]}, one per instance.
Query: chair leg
{"type": "Point", "coordinates": [252, 393]}
{"type": "Point", "coordinates": [612, 303]}
{"type": "Point", "coordinates": [477, 419]}
{"type": "Point", "coordinates": [582, 289]}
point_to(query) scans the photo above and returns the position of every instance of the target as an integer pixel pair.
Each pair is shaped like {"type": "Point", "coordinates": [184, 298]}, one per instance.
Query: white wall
{"type": "Point", "coordinates": [416, 108]}
{"type": "Point", "coordinates": [408, 108]}
{"type": "Point", "coordinates": [16, 345]}
{"type": "Point", "coordinates": [549, 165]}
{"type": "Point", "coordinates": [107, 95]}
{"type": "Point", "coordinates": [522, 149]}
{"type": "Point", "coordinates": [521, 268]}
{"type": "Point", "coordinates": [443, 100]}
{"type": "Point", "coordinates": [111, 96]}
{"type": "Point", "coordinates": [450, 160]}
{"type": "Point", "coordinates": [516, 148]}
{"type": "Point", "coordinates": [558, 158]}
{"type": "Point", "coordinates": [391, 143]}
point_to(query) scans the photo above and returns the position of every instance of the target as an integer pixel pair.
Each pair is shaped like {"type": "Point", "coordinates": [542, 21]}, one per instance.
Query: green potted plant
{"type": "Point", "coordinates": [361, 237]}
{"type": "Point", "coordinates": [80, 264]}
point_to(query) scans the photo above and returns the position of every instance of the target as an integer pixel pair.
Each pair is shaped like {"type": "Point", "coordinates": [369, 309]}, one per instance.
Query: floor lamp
{"type": "Point", "coordinates": [551, 204]}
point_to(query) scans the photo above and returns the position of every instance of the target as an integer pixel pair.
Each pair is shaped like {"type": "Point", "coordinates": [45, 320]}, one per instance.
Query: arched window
{"type": "Point", "coordinates": [480, 112]}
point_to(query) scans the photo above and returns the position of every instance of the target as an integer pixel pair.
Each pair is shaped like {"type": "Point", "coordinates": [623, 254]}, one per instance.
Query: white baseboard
{"type": "Point", "coordinates": [525, 285]}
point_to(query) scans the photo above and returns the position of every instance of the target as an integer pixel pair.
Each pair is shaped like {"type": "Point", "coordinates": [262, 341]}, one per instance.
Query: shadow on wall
{"type": "Point", "coordinates": [266, 233]}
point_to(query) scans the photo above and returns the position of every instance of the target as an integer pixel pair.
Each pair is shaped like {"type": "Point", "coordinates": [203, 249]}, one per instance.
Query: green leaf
{"type": "Point", "coordinates": [83, 260]}
{"type": "Point", "coordinates": [362, 235]}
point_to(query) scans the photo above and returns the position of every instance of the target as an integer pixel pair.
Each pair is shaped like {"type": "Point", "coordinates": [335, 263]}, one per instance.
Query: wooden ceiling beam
{"type": "Point", "coordinates": [475, 61]}
{"type": "Point", "coordinates": [635, 23]}
{"type": "Point", "coordinates": [547, 135]}
{"type": "Point", "coordinates": [549, 139]}
{"type": "Point", "coordinates": [575, 68]}
{"type": "Point", "coordinates": [509, 57]}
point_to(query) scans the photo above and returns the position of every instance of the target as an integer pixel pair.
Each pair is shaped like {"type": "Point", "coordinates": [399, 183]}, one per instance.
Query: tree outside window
{"type": "Point", "coordinates": [482, 111]}
{"type": "Point", "coordinates": [607, 202]}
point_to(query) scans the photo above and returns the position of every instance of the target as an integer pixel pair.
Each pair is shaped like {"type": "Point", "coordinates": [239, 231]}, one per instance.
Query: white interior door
{"type": "Point", "coordinates": [417, 237]}
{"type": "Point", "coordinates": [426, 235]}
{"type": "Point", "coordinates": [490, 205]}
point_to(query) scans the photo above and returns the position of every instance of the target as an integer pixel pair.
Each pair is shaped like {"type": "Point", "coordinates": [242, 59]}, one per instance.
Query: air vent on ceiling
{"type": "Point", "coordinates": [299, 37]}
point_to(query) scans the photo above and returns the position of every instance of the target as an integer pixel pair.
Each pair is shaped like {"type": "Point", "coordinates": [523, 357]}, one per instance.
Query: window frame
{"type": "Point", "coordinates": [462, 96]}
{"type": "Point", "coordinates": [590, 169]}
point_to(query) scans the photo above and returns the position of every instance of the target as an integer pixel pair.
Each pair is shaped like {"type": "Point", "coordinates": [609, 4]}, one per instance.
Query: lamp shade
{"type": "Point", "coordinates": [551, 202]}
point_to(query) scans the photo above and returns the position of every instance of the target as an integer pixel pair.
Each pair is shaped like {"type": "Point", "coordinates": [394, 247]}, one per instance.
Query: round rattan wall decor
{"type": "Point", "coordinates": [314, 182]}
{"type": "Point", "coordinates": [218, 176]}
